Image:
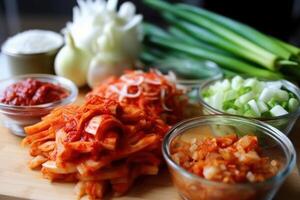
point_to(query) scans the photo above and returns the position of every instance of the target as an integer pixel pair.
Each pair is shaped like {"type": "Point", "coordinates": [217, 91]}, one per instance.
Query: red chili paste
{"type": "Point", "coordinates": [32, 92]}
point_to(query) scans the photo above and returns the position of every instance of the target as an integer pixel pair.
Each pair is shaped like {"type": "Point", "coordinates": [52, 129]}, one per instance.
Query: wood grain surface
{"type": "Point", "coordinates": [18, 182]}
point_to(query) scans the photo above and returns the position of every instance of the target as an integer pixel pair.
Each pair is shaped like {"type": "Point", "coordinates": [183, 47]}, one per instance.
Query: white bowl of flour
{"type": "Point", "coordinates": [32, 51]}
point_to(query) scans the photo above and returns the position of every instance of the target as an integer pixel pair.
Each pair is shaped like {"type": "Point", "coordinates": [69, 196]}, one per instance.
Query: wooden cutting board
{"type": "Point", "coordinates": [18, 182]}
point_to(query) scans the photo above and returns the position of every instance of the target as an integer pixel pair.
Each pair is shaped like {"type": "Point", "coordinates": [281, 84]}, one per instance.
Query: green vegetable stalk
{"type": "Point", "coordinates": [269, 60]}
{"type": "Point", "coordinates": [237, 48]}
{"type": "Point", "coordinates": [226, 62]}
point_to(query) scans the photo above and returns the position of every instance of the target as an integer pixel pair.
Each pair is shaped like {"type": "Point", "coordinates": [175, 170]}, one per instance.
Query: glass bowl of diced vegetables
{"type": "Point", "coordinates": [211, 157]}
{"type": "Point", "coordinates": [274, 102]}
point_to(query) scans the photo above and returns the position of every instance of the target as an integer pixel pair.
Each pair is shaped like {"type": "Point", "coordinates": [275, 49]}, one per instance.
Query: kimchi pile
{"type": "Point", "coordinates": [110, 140]}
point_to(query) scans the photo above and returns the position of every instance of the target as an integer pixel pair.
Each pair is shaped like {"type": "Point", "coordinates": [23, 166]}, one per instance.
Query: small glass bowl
{"type": "Point", "coordinates": [192, 187]}
{"type": "Point", "coordinates": [17, 117]}
{"type": "Point", "coordinates": [284, 123]}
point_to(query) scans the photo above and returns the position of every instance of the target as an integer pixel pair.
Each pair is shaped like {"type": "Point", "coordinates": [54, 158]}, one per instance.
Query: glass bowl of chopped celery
{"type": "Point", "coordinates": [274, 102]}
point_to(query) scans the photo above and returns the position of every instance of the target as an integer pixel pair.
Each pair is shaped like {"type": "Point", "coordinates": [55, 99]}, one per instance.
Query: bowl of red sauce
{"type": "Point", "coordinates": [227, 158]}
{"type": "Point", "coordinates": [25, 99]}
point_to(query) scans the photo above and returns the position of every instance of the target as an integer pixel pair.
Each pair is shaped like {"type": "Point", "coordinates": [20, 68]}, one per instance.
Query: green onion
{"type": "Point", "coordinates": [229, 73]}
{"type": "Point", "coordinates": [226, 62]}
{"type": "Point", "coordinates": [182, 64]}
{"type": "Point", "coordinates": [178, 33]}
{"type": "Point", "coordinates": [292, 49]}
{"type": "Point", "coordinates": [204, 35]}
{"type": "Point", "coordinates": [154, 30]}
{"type": "Point", "coordinates": [246, 31]}
{"type": "Point", "coordinates": [269, 58]}
{"type": "Point", "coordinates": [196, 33]}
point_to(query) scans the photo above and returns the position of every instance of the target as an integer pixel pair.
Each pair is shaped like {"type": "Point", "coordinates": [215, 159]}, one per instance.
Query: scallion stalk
{"type": "Point", "coordinates": [224, 61]}
{"type": "Point", "coordinates": [242, 29]}
{"type": "Point", "coordinates": [270, 60]}
{"type": "Point", "coordinates": [154, 30]}
{"type": "Point", "coordinates": [294, 50]}
{"type": "Point", "coordinates": [178, 33]}
{"type": "Point", "coordinates": [209, 37]}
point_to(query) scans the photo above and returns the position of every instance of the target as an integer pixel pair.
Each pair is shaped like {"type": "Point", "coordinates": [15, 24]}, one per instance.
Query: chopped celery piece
{"type": "Point", "coordinates": [293, 104]}
{"type": "Point", "coordinates": [266, 95]}
{"type": "Point", "coordinates": [246, 97]}
{"type": "Point", "coordinates": [236, 82]}
{"type": "Point", "coordinates": [229, 95]}
{"type": "Point", "coordinates": [252, 103]}
{"type": "Point", "coordinates": [216, 100]}
{"type": "Point", "coordinates": [281, 95]}
{"type": "Point", "coordinates": [226, 84]}
{"type": "Point", "coordinates": [278, 111]}
{"type": "Point", "coordinates": [251, 82]}
{"type": "Point", "coordinates": [262, 106]}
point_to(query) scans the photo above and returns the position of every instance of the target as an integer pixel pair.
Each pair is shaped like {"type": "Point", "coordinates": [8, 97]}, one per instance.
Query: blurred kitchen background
{"type": "Point", "coordinates": [280, 18]}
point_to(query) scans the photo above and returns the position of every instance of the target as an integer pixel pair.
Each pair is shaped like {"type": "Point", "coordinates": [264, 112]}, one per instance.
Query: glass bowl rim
{"type": "Point", "coordinates": [284, 82]}
{"type": "Point", "coordinates": [65, 83]}
{"type": "Point", "coordinates": [271, 132]}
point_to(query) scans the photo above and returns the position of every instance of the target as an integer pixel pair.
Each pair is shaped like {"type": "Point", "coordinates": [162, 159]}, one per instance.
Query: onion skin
{"type": "Point", "coordinates": [72, 62]}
